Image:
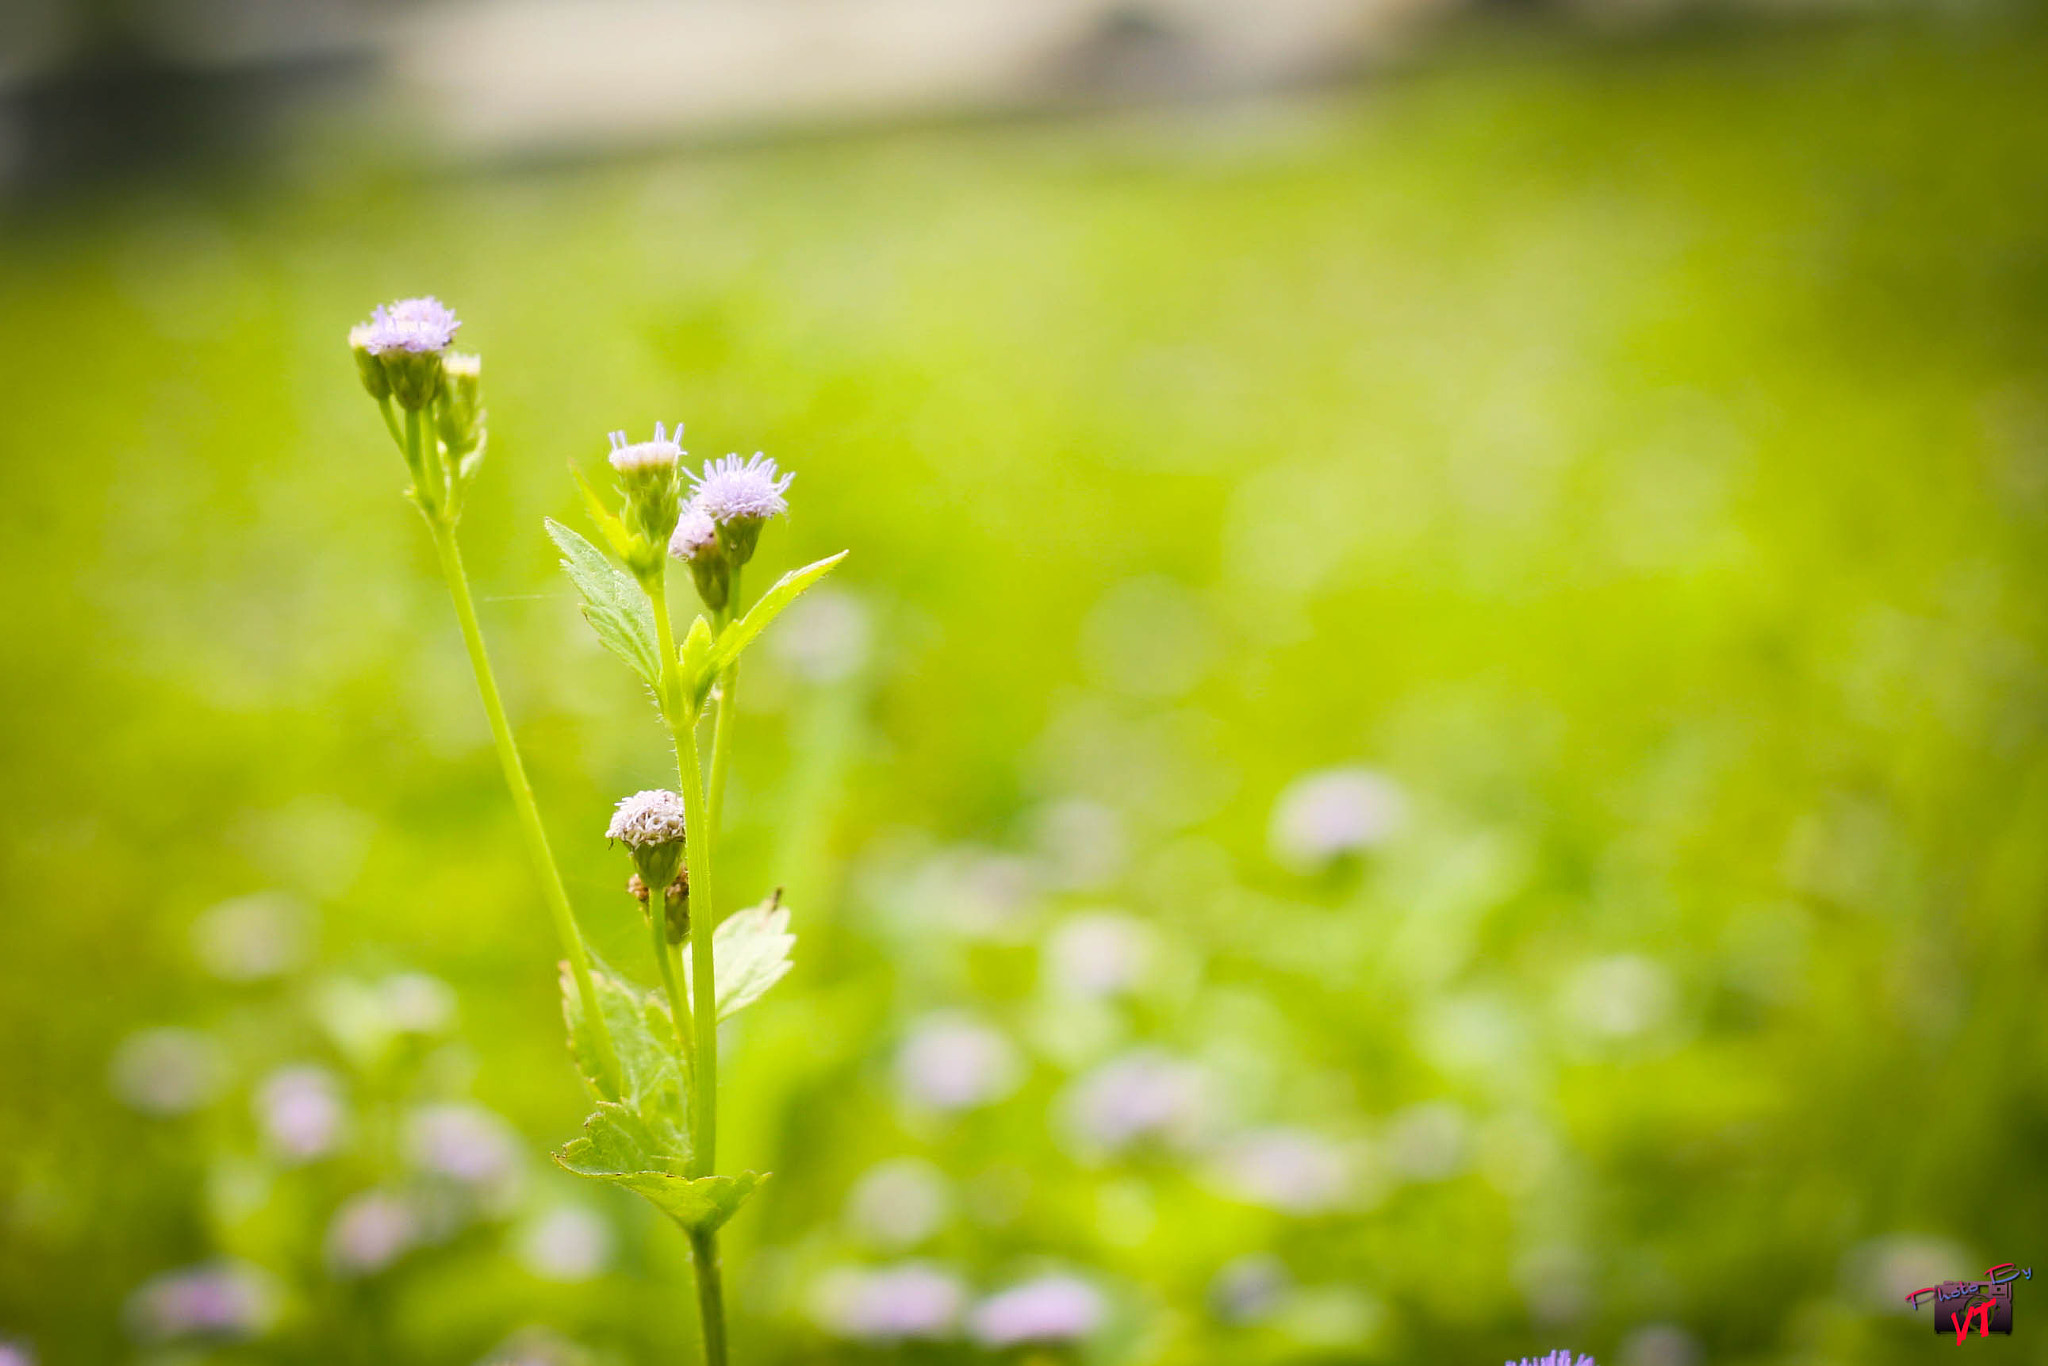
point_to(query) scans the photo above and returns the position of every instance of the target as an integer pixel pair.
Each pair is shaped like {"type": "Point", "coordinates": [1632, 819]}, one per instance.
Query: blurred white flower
{"type": "Point", "coordinates": [825, 636]}
{"type": "Point", "coordinates": [899, 1203]}
{"type": "Point", "coordinates": [567, 1243]}
{"type": "Point", "coordinates": [954, 1062]}
{"type": "Point", "coordinates": [1149, 637]}
{"type": "Point", "coordinates": [1050, 1309]}
{"type": "Point", "coordinates": [891, 1304]}
{"type": "Point", "coordinates": [467, 1144]}
{"type": "Point", "coordinates": [1427, 1142]}
{"type": "Point", "coordinates": [301, 1112]}
{"type": "Point", "coordinates": [253, 937]}
{"type": "Point", "coordinates": [1618, 997]}
{"type": "Point", "coordinates": [1663, 1344]}
{"type": "Point", "coordinates": [1329, 1317]}
{"type": "Point", "coordinates": [1556, 1282]}
{"type": "Point", "coordinates": [417, 1003]}
{"type": "Point", "coordinates": [16, 1354]}
{"type": "Point", "coordinates": [1249, 1288]}
{"type": "Point", "coordinates": [369, 1232]}
{"type": "Point", "coordinates": [1293, 1171]}
{"type": "Point", "coordinates": [1880, 1273]}
{"type": "Point", "coordinates": [1082, 844]}
{"type": "Point", "coordinates": [1327, 815]}
{"type": "Point", "coordinates": [536, 1347]}
{"type": "Point", "coordinates": [1145, 1094]}
{"type": "Point", "coordinates": [1101, 953]}
{"type": "Point", "coordinates": [219, 1300]}
{"type": "Point", "coordinates": [167, 1071]}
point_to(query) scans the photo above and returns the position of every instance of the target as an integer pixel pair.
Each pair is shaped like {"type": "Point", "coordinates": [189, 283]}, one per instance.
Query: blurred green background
{"type": "Point", "coordinates": [1634, 451]}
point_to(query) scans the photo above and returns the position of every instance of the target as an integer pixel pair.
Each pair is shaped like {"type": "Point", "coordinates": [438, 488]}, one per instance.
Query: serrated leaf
{"type": "Point", "coordinates": [702, 1205]}
{"type": "Point", "coordinates": [749, 954]}
{"type": "Point", "coordinates": [616, 1140]}
{"type": "Point", "coordinates": [785, 591]}
{"type": "Point", "coordinates": [653, 1103]}
{"type": "Point", "coordinates": [612, 602]}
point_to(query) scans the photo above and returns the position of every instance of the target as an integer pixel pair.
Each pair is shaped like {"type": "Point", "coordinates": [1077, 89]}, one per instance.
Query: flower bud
{"type": "Point", "coordinates": [739, 498]}
{"type": "Point", "coordinates": [407, 339]}
{"type": "Point", "coordinates": [651, 824]}
{"type": "Point", "coordinates": [696, 543]}
{"type": "Point", "coordinates": [367, 365]}
{"type": "Point", "coordinates": [650, 478]}
{"type": "Point", "coordinates": [458, 411]}
{"type": "Point", "coordinates": [675, 907]}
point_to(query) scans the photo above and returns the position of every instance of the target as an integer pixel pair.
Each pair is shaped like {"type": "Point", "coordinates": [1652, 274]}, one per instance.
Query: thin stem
{"type": "Point", "coordinates": [710, 1295]}
{"type": "Point", "coordinates": [536, 836]}
{"type": "Point", "coordinates": [721, 726]}
{"type": "Point", "coordinates": [391, 422]}
{"type": "Point", "coordinates": [678, 1012]}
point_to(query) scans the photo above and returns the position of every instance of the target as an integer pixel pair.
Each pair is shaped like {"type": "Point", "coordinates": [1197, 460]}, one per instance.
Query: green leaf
{"type": "Point", "coordinates": [653, 1093]}
{"type": "Point", "coordinates": [612, 602]}
{"type": "Point", "coordinates": [700, 1206]}
{"type": "Point", "coordinates": [741, 633]}
{"type": "Point", "coordinates": [749, 954]}
{"type": "Point", "coordinates": [697, 670]}
{"type": "Point", "coordinates": [607, 521]}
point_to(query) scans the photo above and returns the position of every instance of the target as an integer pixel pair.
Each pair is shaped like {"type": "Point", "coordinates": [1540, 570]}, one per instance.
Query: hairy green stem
{"type": "Point", "coordinates": [536, 836]}
{"type": "Point", "coordinates": [680, 713]}
{"type": "Point", "coordinates": [710, 1294]}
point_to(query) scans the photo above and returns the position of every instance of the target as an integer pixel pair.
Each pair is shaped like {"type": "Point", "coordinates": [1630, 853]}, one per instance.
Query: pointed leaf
{"type": "Point", "coordinates": [749, 954]}
{"type": "Point", "coordinates": [696, 662]}
{"type": "Point", "coordinates": [615, 533]}
{"type": "Point", "coordinates": [700, 1206]}
{"type": "Point", "coordinates": [612, 602]}
{"type": "Point", "coordinates": [741, 633]}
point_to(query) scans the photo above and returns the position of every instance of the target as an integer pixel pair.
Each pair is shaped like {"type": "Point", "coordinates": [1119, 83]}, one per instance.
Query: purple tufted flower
{"type": "Point", "coordinates": [695, 536]}
{"type": "Point", "coordinates": [912, 1300]}
{"type": "Point", "coordinates": [370, 1232]}
{"type": "Point", "coordinates": [731, 490]}
{"type": "Point", "coordinates": [1049, 1309]}
{"type": "Point", "coordinates": [417, 325]}
{"type": "Point", "coordinates": [301, 1111]}
{"type": "Point", "coordinates": [739, 497]}
{"type": "Point", "coordinates": [220, 1300]}
{"type": "Point", "coordinates": [1559, 1357]}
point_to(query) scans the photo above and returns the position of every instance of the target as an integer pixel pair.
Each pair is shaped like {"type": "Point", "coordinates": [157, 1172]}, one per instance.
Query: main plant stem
{"type": "Point", "coordinates": [534, 833]}
{"type": "Point", "coordinates": [680, 714]}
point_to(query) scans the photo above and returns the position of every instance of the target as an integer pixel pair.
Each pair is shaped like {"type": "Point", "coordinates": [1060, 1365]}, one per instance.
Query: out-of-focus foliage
{"type": "Point", "coordinates": [1628, 469]}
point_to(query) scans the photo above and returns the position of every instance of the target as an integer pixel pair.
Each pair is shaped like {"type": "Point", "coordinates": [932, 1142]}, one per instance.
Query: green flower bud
{"type": "Point", "coordinates": [367, 364]}
{"type": "Point", "coordinates": [458, 411]}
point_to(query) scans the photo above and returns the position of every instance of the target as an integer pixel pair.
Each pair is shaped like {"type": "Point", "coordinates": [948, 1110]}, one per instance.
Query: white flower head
{"type": "Point", "coordinates": [695, 536]}
{"type": "Point", "coordinates": [730, 490]}
{"type": "Point", "coordinates": [656, 456]}
{"type": "Point", "coordinates": [647, 819]}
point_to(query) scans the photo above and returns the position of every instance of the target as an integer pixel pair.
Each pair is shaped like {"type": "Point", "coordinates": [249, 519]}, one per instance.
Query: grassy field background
{"type": "Point", "coordinates": [1637, 451]}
